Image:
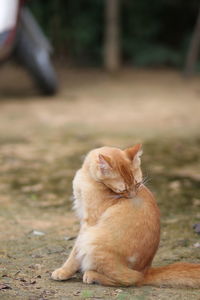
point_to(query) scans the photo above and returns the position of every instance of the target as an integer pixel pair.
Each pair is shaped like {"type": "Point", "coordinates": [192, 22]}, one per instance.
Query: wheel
{"type": "Point", "coordinates": [33, 50]}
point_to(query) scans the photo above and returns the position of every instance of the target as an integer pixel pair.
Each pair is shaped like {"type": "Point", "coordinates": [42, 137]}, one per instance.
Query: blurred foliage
{"type": "Point", "coordinates": [152, 33]}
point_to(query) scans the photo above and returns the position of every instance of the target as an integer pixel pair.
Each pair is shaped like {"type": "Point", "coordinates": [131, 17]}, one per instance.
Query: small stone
{"type": "Point", "coordinates": [197, 228]}
{"type": "Point", "coordinates": [175, 186]}
{"type": "Point", "coordinates": [69, 238]}
{"type": "Point", "coordinates": [39, 233]}
{"type": "Point", "coordinates": [33, 281]}
{"type": "Point", "coordinates": [76, 293]}
{"type": "Point", "coordinates": [196, 202]}
{"type": "Point", "coordinates": [197, 245]}
{"type": "Point", "coordinates": [4, 286]}
{"type": "Point", "coordinates": [118, 290]}
{"type": "Point", "coordinates": [38, 267]}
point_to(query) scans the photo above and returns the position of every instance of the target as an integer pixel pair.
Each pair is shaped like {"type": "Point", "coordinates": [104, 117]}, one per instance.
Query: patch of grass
{"type": "Point", "coordinates": [171, 152]}
{"type": "Point", "coordinates": [123, 296]}
{"type": "Point", "coordinates": [86, 294]}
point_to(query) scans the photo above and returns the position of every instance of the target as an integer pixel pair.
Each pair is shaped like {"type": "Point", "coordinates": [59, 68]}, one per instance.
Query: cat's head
{"type": "Point", "coordinates": [118, 169]}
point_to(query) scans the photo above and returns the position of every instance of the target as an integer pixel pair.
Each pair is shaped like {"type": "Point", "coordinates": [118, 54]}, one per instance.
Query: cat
{"type": "Point", "coordinates": [120, 225]}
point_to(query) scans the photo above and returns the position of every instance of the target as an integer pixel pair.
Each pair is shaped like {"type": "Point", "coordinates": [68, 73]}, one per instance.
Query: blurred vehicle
{"type": "Point", "coordinates": [20, 35]}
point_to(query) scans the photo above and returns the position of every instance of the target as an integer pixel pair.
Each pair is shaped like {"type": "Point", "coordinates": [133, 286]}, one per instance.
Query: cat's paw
{"type": "Point", "coordinates": [88, 277]}
{"type": "Point", "coordinates": [60, 274]}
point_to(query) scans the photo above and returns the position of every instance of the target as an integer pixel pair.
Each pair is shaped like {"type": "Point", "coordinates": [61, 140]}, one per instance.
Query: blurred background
{"type": "Point", "coordinates": [144, 35]}
{"type": "Point", "coordinates": [109, 35]}
{"type": "Point", "coordinates": [76, 75]}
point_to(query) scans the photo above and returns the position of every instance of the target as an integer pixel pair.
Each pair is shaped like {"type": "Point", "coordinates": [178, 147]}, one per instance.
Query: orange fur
{"type": "Point", "coordinates": [120, 226]}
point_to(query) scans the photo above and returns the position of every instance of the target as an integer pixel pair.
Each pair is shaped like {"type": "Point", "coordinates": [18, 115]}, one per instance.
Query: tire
{"type": "Point", "coordinates": [33, 54]}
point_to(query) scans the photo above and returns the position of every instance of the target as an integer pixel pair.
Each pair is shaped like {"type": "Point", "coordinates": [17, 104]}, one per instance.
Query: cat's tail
{"type": "Point", "coordinates": [173, 275]}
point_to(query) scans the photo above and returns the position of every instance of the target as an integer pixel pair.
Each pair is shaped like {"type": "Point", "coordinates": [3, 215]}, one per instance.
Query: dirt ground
{"type": "Point", "coordinates": [42, 143]}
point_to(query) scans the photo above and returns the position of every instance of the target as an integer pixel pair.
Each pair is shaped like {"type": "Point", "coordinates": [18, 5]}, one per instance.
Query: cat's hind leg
{"type": "Point", "coordinates": [91, 277]}
{"type": "Point", "coordinates": [126, 278]}
{"type": "Point", "coordinates": [108, 269]}
{"type": "Point", "coordinates": [112, 267]}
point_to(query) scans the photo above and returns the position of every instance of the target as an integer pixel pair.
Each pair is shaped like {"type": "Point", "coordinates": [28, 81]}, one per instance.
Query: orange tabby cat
{"type": "Point", "coordinates": [120, 226]}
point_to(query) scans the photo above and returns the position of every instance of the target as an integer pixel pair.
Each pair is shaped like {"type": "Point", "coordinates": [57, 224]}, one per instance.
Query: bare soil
{"type": "Point", "coordinates": [42, 143]}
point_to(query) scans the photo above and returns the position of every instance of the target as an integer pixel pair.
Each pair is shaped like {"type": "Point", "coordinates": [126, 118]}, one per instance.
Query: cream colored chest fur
{"type": "Point", "coordinates": [82, 191]}
{"type": "Point", "coordinates": [78, 203]}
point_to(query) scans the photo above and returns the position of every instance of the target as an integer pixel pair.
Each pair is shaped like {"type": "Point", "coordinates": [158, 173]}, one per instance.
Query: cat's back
{"type": "Point", "coordinates": [136, 214]}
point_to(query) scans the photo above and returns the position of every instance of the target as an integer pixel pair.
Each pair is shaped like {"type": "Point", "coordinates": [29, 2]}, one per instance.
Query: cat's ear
{"type": "Point", "coordinates": [134, 154]}
{"type": "Point", "coordinates": [104, 164]}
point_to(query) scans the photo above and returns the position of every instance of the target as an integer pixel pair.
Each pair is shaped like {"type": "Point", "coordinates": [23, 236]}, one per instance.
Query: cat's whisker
{"type": "Point", "coordinates": [146, 179]}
